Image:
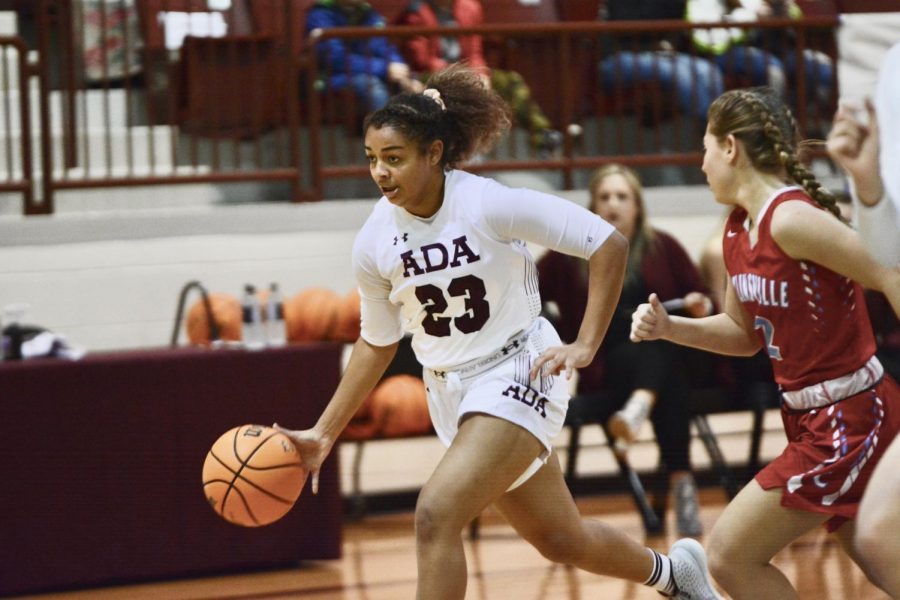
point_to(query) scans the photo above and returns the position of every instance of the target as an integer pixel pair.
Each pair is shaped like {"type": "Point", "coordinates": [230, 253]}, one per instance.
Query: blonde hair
{"type": "Point", "coordinates": [643, 233]}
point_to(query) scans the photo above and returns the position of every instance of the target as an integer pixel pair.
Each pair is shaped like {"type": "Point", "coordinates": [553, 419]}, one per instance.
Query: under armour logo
{"type": "Point", "coordinates": [507, 349]}
{"type": "Point", "coordinates": [403, 236]}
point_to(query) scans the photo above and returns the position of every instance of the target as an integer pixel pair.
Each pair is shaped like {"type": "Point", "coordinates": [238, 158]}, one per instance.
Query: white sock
{"type": "Point", "coordinates": [662, 577]}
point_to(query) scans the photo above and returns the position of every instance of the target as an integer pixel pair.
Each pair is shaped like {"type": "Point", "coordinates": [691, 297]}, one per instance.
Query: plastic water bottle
{"type": "Point", "coordinates": [276, 332]}
{"type": "Point", "coordinates": [251, 320]}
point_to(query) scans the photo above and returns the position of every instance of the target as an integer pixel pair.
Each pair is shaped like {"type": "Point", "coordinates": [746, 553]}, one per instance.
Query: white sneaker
{"type": "Point", "coordinates": [687, 508]}
{"type": "Point", "coordinates": [626, 424]}
{"type": "Point", "coordinates": [690, 571]}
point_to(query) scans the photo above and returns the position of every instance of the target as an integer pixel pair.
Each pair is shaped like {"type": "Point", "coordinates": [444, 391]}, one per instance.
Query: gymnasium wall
{"type": "Point", "coordinates": [110, 279]}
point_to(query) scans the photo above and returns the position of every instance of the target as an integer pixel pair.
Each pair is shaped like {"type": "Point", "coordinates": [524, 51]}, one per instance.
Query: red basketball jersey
{"type": "Point", "coordinates": [812, 321]}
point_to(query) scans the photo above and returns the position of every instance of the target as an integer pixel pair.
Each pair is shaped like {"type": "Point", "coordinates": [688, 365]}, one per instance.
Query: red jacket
{"type": "Point", "coordinates": [665, 269]}
{"type": "Point", "coordinates": [424, 53]}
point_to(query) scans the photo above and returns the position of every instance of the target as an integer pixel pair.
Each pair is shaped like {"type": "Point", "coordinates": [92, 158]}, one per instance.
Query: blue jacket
{"type": "Point", "coordinates": [360, 56]}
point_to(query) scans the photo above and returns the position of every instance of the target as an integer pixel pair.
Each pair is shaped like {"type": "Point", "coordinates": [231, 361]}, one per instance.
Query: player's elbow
{"type": "Point", "coordinates": [747, 348]}
{"type": "Point", "coordinates": [614, 249]}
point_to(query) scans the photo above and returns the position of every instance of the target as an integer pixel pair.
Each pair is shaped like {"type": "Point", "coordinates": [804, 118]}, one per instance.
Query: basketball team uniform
{"type": "Point", "coordinates": [840, 410]}
{"type": "Point", "coordinates": [464, 284]}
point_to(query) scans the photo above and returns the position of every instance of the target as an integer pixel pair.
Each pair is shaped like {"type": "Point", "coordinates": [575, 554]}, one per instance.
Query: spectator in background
{"type": "Point", "coordinates": [372, 68]}
{"type": "Point", "coordinates": [646, 380]}
{"type": "Point", "coordinates": [427, 55]}
{"type": "Point", "coordinates": [818, 67]}
{"type": "Point", "coordinates": [761, 56]}
{"type": "Point", "coordinates": [647, 58]}
{"type": "Point", "coordinates": [729, 47]}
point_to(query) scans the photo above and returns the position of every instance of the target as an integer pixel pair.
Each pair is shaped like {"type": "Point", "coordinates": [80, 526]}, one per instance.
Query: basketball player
{"type": "Point", "coordinates": [443, 256]}
{"type": "Point", "coordinates": [789, 260]}
{"type": "Point", "coordinates": [872, 162]}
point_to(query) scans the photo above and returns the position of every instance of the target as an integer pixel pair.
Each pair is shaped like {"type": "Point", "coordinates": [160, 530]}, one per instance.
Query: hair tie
{"type": "Point", "coordinates": [436, 96]}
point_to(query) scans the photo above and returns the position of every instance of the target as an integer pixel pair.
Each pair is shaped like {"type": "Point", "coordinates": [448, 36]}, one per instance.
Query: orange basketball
{"type": "Point", "coordinates": [397, 407]}
{"type": "Point", "coordinates": [311, 315]}
{"type": "Point", "coordinates": [347, 329]}
{"type": "Point", "coordinates": [252, 475]}
{"type": "Point", "coordinates": [400, 407]}
{"type": "Point", "coordinates": [226, 312]}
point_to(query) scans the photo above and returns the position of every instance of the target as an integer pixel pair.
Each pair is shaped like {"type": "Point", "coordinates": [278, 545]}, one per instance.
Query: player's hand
{"type": "Point", "coordinates": [697, 304]}
{"type": "Point", "coordinates": [854, 145]}
{"type": "Point", "coordinates": [312, 447]}
{"type": "Point", "coordinates": [557, 359]}
{"type": "Point", "coordinates": [650, 321]}
{"type": "Point", "coordinates": [398, 72]}
{"type": "Point", "coordinates": [412, 85]}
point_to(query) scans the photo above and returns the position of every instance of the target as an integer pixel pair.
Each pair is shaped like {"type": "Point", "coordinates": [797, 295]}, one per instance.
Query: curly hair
{"type": "Point", "coordinates": [769, 132]}
{"type": "Point", "coordinates": [474, 120]}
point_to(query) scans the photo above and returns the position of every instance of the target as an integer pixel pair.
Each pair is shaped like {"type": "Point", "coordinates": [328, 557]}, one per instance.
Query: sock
{"type": "Point", "coordinates": [662, 577]}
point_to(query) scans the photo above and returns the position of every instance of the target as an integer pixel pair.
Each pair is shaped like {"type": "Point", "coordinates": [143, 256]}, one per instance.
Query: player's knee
{"type": "Point", "coordinates": [434, 519]}
{"type": "Point", "coordinates": [723, 557]}
{"type": "Point", "coordinates": [872, 544]}
{"type": "Point", "coordinates": [559, 546]}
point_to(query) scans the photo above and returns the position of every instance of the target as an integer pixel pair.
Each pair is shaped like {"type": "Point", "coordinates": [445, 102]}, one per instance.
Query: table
{"type": "Point", "coordinates": [101, 464]}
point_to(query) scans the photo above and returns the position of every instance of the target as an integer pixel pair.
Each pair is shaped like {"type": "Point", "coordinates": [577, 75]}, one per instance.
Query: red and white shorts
{"type": "Point", "coordinates": [833, 450]}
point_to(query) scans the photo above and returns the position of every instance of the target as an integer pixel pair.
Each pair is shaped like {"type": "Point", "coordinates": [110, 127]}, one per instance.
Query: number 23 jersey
{"type": "Point", "coordinates": [813, 322]}
{"type": "Point", "coordinates": [463, 281]}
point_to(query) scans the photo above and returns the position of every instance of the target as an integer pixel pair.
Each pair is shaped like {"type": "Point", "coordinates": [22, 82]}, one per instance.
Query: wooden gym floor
{"type": "Point", "coordinates": [379, 564]}
{"type": "Point", "coordinates": [379, 551]}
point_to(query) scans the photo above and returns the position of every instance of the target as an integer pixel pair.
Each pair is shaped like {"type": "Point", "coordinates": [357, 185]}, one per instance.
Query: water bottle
{"type": "Point", "coordinates": [276, 332]}
{"type": "Point", "coordinates": [251, 320]}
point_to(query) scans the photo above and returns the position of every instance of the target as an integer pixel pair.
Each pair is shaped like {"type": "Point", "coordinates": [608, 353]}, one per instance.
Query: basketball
{"type": "Point", "coordinates": [311, 315]}
{"type": "Point", "coordinates": [226, 313]}
{"type": "Point", "coordinates": [397, 407]}
{"type": "Point", "coordinates": [347, 329]}
{"type": "Point", "coordinates": [252, 475]}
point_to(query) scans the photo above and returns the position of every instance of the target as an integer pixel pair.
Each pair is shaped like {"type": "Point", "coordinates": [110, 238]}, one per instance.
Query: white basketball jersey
{"type": "Point", "coordinates": [462, 281]}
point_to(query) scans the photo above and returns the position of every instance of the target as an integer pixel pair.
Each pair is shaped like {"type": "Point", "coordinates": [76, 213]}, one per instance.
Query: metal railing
{"type": "Point", "coordinates": [17, 167]}
{"type": "Point", "coordinates": [635, 124]}
{"type": "Point", "coordinates": [117, 106]}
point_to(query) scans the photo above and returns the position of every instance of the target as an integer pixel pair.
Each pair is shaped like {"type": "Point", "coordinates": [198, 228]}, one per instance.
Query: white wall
{"type": "Point", "coordinates": [110, 279]}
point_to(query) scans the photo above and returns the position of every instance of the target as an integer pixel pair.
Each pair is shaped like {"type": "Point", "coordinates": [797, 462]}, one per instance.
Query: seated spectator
{"type": "Point", "coordinates": [429, 54]}
{"type": "Point", "coordinates": [651, 58]}
{"type": "Point", "coordinates": [372, 68]}
{"type": "Point", "coordinates": [818, 67]}
{"type": "Point", "coordinates": [646, 380]}
{"type": "Point", "coordinates": [729, 48]}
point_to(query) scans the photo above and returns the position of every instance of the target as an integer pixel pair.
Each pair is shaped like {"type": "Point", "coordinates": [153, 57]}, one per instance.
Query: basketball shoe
{"type": "Point", "coordinates": [626, 424]}
{"type": "Point", "coordinates": [687, 507]}
{"type": "Point", "coordinates": [690, 572]}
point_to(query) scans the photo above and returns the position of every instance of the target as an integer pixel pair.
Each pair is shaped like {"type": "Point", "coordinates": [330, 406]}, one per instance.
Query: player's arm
{"type": "Point", "coordinates": [606, 271]}
{"type": "Point", "coordinates": [364, 369]}
{"type": "Point", "coordinates": [729, 332]}
{"type": "Point", "coordinates": [564, 226]}
{"type": "Point", "coordinates": [805, 232]}
{"type": "Point", "coordinates": [380, 333]}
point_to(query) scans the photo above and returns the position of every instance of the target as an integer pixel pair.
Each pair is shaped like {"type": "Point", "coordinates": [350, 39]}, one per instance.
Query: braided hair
{"type": "Point", "coordinates": [469, 119]}
{"type": "Point", "coordinates": [769, 132]}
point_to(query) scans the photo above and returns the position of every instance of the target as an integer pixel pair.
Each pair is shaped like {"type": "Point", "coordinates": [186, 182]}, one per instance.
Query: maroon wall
{"type": "Point", "coordinates": [101, 464]}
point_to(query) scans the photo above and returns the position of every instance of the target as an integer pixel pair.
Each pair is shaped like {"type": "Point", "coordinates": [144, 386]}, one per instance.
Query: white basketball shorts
{"type": "Point", "coordinates": [499, 385]}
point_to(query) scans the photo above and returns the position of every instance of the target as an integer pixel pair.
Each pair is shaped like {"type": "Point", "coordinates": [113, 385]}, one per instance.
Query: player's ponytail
{"type": "Point", "coordinates": [457, 109]}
